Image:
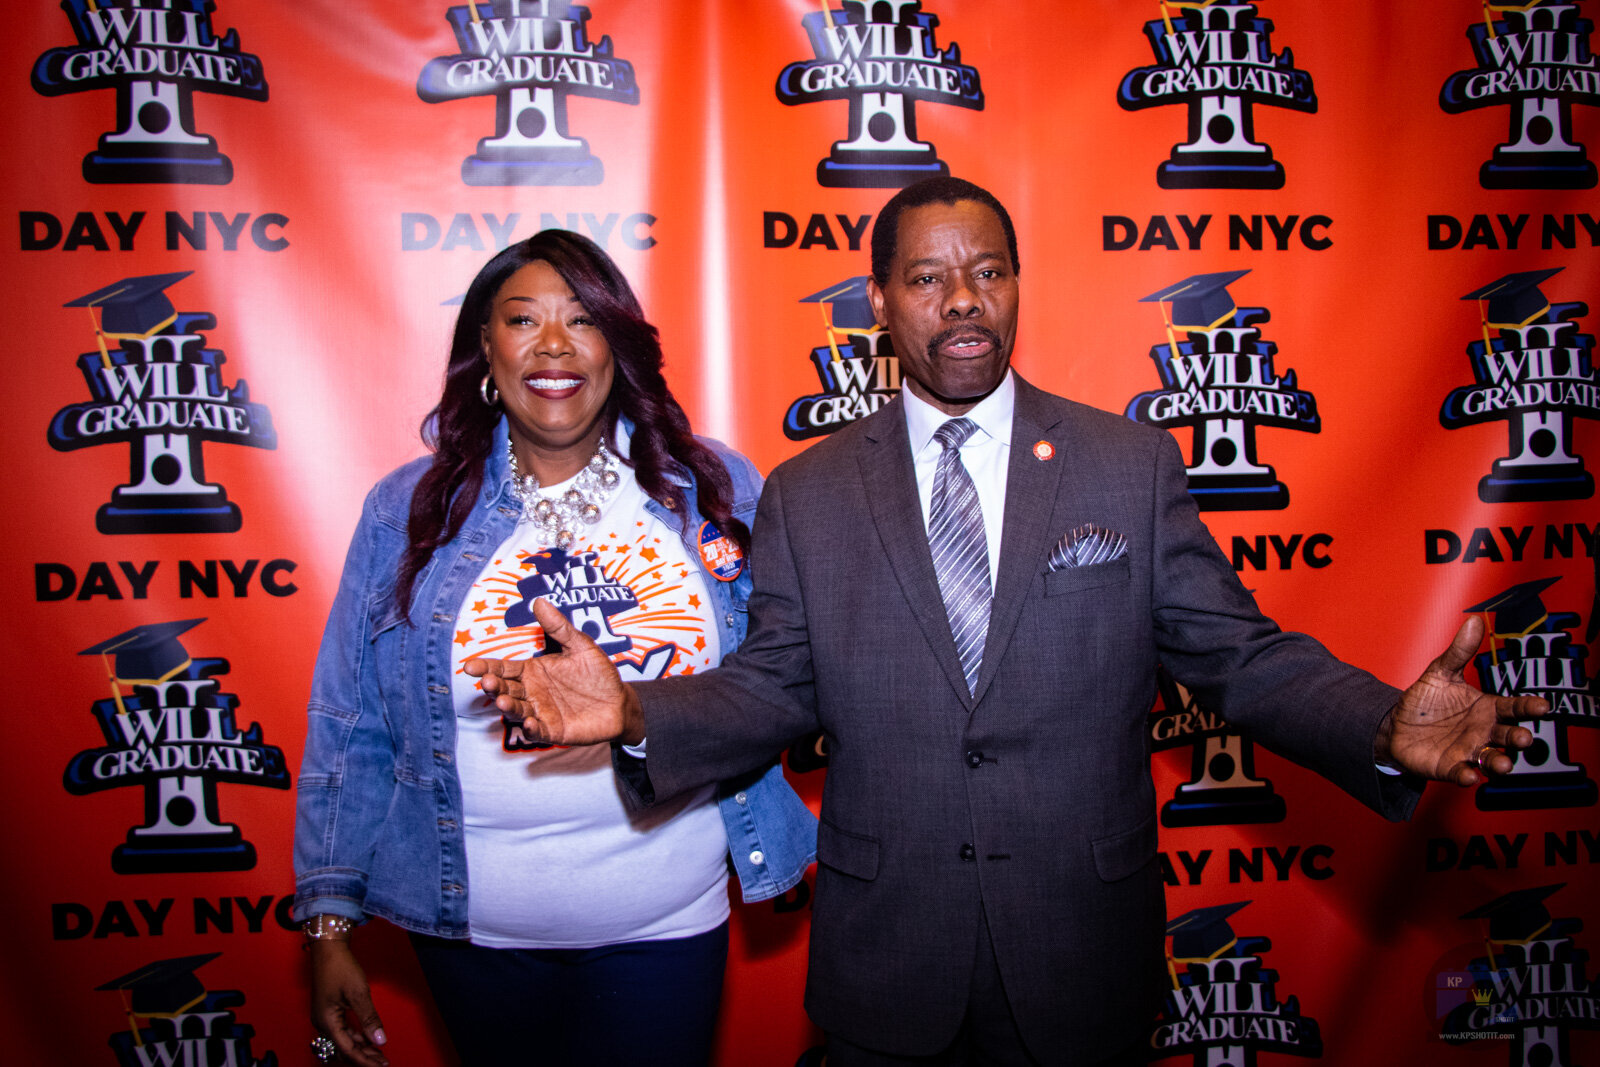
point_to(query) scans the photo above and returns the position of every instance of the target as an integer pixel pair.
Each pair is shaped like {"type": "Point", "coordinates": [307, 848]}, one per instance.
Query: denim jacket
{"type": "Point", "coordinates": [378, 814]}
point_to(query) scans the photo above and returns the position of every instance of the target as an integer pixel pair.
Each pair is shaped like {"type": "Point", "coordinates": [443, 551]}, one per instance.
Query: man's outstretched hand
{"type": "Point", "coordinates": [1447, 729]}
{"type": "Point", "coordinates": [573, 697]}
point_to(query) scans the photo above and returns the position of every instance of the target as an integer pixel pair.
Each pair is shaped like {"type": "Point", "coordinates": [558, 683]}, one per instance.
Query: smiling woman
{"type": "Point", "coordinates": [562, 469]}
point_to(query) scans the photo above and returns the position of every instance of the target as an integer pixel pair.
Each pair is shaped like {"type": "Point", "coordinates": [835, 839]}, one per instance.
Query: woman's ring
{"type": "Point", "coordinates": [322, 1048]}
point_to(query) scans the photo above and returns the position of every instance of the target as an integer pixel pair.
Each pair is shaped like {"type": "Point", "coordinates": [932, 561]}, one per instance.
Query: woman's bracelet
{"type": "Point", "coordinates": [328, 928]}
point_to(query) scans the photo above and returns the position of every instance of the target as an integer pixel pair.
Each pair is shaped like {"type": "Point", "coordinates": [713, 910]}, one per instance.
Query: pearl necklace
{"type": "Point", "coordinates": [557, 517]}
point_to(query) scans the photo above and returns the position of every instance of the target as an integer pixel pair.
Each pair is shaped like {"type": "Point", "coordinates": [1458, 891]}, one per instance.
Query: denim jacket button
{"type": "Point", "coordinates": [741, 798]}
{"type": "Point", "coordinates": [728, 618]}
{"type": "Point", "coordinates": [758, 857]}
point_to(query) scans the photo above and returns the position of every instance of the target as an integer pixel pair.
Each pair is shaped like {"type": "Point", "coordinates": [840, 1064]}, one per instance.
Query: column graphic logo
{"type": "Point", "coordinates": [1534, 59]}
{"type": "Point", "coordinates": [156, 54]}
{"type": "Point", "coordinates": [1223, 789]}
{"type": "Point", "coordinates": [881, 56]}
{"type": "Point", "coordinates": [531, 56]}
{"type": "Point", "coordinates": [174, 1019]}
{"type": "Point", "coordinates": [1217, 59]}
{"type": "Point", "coordinates": [1223, 1007]}
{"type": "Point", "coordinates": [160, 392]}
{"type": "Point", "coordinates": [1221, 382]}
{"type": "Point", "coordinates": [857, 366]}
{"type": "Point", "coordinates": [1531, 651]}
{"type": "Point", "coordinates": [169, 729]}
{"type": "Point", "coordinates": [1534, 370]}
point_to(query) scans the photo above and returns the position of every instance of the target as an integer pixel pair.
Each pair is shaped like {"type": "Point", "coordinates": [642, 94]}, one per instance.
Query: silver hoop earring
{"type": "Point", "coordinates": [487, 390]}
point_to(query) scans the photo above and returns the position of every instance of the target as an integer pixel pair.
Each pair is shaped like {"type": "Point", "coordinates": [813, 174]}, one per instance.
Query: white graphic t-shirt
{"type": "Point", "coordinates": [554, 859]}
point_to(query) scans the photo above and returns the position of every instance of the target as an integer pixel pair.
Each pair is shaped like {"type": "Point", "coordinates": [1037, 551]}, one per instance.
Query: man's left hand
{"type": "Point", "coordinates": [1447, 729]}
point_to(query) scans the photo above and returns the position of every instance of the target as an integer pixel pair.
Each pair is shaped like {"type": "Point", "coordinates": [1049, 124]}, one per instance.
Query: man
{"type": "Point", "coordinates": [987, 889]}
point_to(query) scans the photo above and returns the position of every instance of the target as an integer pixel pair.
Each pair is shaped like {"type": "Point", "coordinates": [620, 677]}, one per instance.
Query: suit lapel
{"type": "Point", "coordinates": [1032, 488]}
{"type": "Point", "coordinates": [891, 486]}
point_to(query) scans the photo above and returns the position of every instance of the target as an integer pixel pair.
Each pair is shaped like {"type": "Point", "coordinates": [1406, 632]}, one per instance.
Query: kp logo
{"type": "Point", "coordinates": [156, 54]}
{"type": "Point", "coordinates": [1223, 1007]}
{"type": "Point", "coordinates": [859, 371]}
{"type": "Point", "coordinates": [160, 391]}
{"type": "Point", "coordinates": [883, 68]}
{"type": "Point", "coordinates": [1531, 651]}
{"type": "Point", "coordinates": [1535, 60]}
{"type": "Point", "coordinates": [186, 1023]}
{"type": "Point", "coordinates": [1223, 788]}
{"type": "Point", "coordinates": [1217, 59]}
{"type": "Point", "coordinates": [530, 55]}
{"type": "Point", "coordinates": [1221, 382]}
{"type": "Point", "coordinates": [173, 732]}
{"type": "Point", "coordinates": [1536, 373]}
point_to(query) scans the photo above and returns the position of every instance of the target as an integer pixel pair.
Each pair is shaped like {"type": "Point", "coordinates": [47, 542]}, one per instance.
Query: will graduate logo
{"type": "Point", "coordinates": [881, 56]}
{"type": "Point", "coordinates": [1531, 651]}
{"type": "Point", "coordinates": [1221, 382]}
{"type": "Point", "coordinates": [857, 366]}
{"type": "Point", "coordinates": [160, 392]}
{"type": "Point", "coordinates": [1223, 1006]}
{"type": "Point", "coordinates": [1529, 985]}
{"type": "Point", "coordinates": [1533, 58]}
{"type": "Point", "coordinates": [156, 54]}
{"type": "Point", "coordinates": [173, 1019]}
{"type": "Point", "coordinates": [170, 730]}
{"type": "Point", "coordinates": [1535, 371]}
{"type": "Point", "coordinates": [1223, 788]}
{"type": "Point", "coordinates": [530, 55]}
{"type": "Point", "coordinates": [1217, 60]}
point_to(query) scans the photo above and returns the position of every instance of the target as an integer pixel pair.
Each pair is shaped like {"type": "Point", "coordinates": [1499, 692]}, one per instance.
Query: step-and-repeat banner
{"type": "Point", "coordinates": [1344, 253]}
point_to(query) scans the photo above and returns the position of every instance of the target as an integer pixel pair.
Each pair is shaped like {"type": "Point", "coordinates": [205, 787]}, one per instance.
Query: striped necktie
{"type": "Point", "coordinates": [960, 549]}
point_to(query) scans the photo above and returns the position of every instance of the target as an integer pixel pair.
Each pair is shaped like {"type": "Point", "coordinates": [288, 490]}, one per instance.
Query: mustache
{"type": "Point", "coordinates": [964, 330]}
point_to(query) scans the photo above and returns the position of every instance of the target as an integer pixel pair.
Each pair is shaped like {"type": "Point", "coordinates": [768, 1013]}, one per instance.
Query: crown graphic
{"type": "Point", "coordinates": [1481, 996]}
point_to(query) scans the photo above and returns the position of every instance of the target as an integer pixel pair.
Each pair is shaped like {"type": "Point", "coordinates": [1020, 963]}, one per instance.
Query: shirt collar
{"type": "Point", "coordinates": [993, 414]}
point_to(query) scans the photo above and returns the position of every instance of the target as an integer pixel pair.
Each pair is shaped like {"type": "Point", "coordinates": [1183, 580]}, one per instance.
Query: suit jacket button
{"type": "Point", "coordinates": [974, 758]}
{"type": "Point", "coordinates": [968, 853]}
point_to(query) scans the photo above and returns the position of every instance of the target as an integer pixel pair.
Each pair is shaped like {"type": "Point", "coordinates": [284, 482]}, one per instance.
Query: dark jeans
{"type": "Point", "coordinates": [645, 1002]}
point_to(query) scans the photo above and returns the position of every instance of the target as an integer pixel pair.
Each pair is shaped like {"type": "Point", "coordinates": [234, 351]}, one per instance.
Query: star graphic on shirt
{"type": "Point", "coordinates": [463, 637]}
{"type": "Point", "coordinates": [700, 643]}
{"type": "Point", "coordinates": [649, 554]}
{"type": "Point", "coordinates": [694, 600]}
{"type": "Point", "coordinates": [489, 632]}
{"type": "Point", "coordinates": [481, 606]}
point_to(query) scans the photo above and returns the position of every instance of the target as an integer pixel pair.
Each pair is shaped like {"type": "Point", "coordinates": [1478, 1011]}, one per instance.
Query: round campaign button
{"type": "Point", "coordinates": [719, 553]}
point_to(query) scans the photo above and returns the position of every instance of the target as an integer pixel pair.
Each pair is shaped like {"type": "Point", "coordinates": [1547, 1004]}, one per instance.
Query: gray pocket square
{"type": "Point", "coordinates": [1087, 546]}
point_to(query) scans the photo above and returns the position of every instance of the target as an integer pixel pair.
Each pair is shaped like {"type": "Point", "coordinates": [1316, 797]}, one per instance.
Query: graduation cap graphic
{"type": "Point", "coordinates": [1514, 300]}
{"type": "Point", "coordinates": [1202, 934]}
{"type": "Point", "coordinates": [163, 989]}
{"type": "Point", "coordinates": [846, 309]}
{"type": "Point", "coordinates": [1518, 917]}
{"type": "Point", "coordinates": [1200, 302]}
{"type": "Point", "coordinates": [1516, 612]}
{"type": "Point", "coordinates": [145, 655]}
{"type": "Point", "coordinates": [130, 308]}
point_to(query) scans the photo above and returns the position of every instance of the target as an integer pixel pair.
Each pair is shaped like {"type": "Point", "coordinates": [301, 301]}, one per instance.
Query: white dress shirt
{"type": "Point", "coordinates": [985, 454]}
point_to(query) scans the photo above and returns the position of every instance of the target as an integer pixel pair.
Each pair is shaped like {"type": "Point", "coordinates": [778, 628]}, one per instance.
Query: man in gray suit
{"type": "Point", "coordinates": [987, 887]}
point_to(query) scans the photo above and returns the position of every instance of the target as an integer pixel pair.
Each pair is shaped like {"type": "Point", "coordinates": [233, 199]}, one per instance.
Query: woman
{"type": "Point", "coordinates": [552, 924]}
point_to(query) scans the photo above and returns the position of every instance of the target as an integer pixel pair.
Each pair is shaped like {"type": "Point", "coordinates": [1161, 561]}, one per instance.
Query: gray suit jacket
{"type": "Point", "coordinates": [1030, 801]}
